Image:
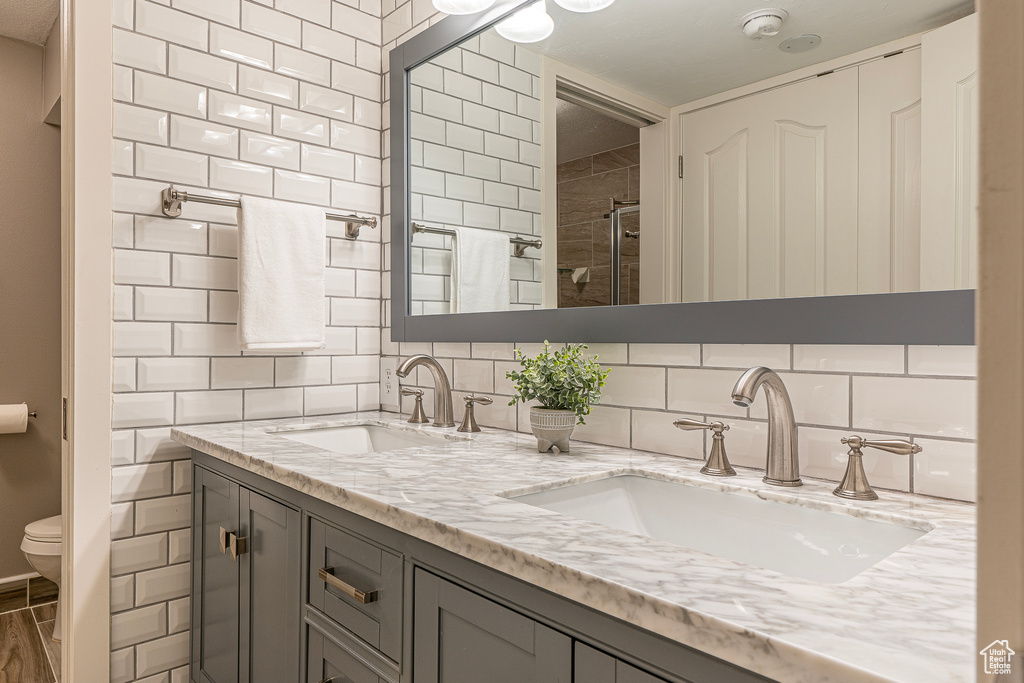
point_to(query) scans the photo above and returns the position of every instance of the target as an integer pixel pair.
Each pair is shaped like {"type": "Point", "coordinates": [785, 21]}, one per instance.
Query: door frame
{"type": "Point", "coordinates": [555, 73]}
{"type": "Point", "coordinates": [86, 317]}
{"type": "Point", "coordinates": [1000, 333]}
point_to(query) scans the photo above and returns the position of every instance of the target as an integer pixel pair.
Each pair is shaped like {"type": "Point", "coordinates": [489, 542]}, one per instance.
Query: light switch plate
{"type": "Point", "coordinates": [389, 382]}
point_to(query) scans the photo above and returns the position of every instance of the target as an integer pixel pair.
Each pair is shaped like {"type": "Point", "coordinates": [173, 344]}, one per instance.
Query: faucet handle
{"type": "Point", "coordinates": [855, 481]}
{"type": "Point", "coordinates": [687, 424]}
{"type": "Point", "coordinates": [897, 446]}
{"type": "Point", "coordinates": [717, 464]}
{"type": "Point", "coordinates": [469, 420]}
{"type": "Point", "coordinates": [418, 416]}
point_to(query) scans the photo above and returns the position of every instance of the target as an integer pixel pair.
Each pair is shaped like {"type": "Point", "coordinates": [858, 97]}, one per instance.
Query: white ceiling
{"type": "Point", "coordinates": [28, 20]}
{"type": "Point", "coordinates": [677, 51]}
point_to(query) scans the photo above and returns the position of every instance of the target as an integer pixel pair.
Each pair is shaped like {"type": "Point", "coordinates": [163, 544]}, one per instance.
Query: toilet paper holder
{"type": "Point", "coordinates": [33, 413]}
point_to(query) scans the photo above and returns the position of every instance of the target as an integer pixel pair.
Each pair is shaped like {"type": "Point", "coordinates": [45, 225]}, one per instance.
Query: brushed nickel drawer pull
{"type": "Point", "coordinates": [365, 597]}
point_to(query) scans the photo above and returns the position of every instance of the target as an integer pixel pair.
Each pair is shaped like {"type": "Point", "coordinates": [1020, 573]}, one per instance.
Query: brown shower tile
{"type": "Point", "coordinates": [41, 590]}
{"type": "Point", "coordinates": [574, 231]}
{"type": "Point", "coordinates": [587, 199]}
{"type": "Point", "coordinates": [617, 158]}
{"type": "Point", "coordinates": [634, 182]}
{"type": "Point", "coordinates": [577, 168]}
{"type": "Point", "coordinates": [629, 290]}
{"type": "Point", "coordinates": [575, 254]}
{"type": "Point", "coordinates": [597, 292]}
{"type": "Point", "coordinates": [13, 595]}
{"type": "Point", "coordinates": [22, 657]}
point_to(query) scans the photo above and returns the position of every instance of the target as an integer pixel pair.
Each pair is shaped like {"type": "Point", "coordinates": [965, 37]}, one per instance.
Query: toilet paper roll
{"type": "Point", "coordinates": [13, 418]}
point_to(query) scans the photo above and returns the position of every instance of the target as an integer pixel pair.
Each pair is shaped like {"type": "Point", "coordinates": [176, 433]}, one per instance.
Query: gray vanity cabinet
{"type": "Point", "coordinates": [461, 637]}
{"type": "Point", "coordinates": [317, 593]}
{"type": "Point", "coordinates": [246, 575]}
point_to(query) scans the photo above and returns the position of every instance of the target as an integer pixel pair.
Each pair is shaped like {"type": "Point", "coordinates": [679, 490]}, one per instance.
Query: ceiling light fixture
{"type": "Point", "coordinates": [763, 22]}
{"type": "Point", "coordinates": [462, 6]}
{"type": "Point", "coordinates": [528, 25]}
{"type": "Point", "coordinates": [583, 5]}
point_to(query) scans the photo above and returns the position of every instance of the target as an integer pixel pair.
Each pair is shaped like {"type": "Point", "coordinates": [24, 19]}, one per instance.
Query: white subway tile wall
{"type": "Point", "coordinates": [475, 150]}
{"type": "Point", "coordinates": [227, 97]}
{"type": "Point", "coordinates": [283, 98]}
{"type": "Point", "coordinates": [644, 396]}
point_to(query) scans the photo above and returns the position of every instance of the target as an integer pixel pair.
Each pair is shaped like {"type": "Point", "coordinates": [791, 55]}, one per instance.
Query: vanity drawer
{"type": "Point", "coordinates": [357, 584]}
{"type": "Point", "coordinates": [331, 662]}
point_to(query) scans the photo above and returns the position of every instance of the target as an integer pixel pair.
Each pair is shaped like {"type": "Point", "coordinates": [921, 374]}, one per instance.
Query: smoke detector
{"type": "Point", "coordinates": [763, 22]}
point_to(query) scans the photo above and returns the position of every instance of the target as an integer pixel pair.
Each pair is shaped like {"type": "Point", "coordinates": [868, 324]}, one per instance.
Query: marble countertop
{"type": "Point", "coordinates": [911, 617]}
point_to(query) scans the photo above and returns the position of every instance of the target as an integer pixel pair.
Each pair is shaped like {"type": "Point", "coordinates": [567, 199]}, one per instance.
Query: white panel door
{"type": "Point", "coordinates": [770, 193]}
{"type": "Point", "coordinates": [889, 216]}
{"type": "Point", "coordinates": [949, 156]}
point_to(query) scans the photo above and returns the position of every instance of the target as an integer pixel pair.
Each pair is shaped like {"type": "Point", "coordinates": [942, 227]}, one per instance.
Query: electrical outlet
{"type": "Point", "coordinates": [389, 382]}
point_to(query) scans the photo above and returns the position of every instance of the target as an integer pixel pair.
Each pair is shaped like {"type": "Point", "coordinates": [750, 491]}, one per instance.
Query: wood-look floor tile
{"type": "Point", "coordinates": [14, 596]}
{"type": "Point", "coordinates": [47, 612]}
{"type": "Point", "coordinates": [51, 646]}
{"type": "Point", "coordinates": [41, 590]}
{"type": "Point", "coordinates": [22, 657]}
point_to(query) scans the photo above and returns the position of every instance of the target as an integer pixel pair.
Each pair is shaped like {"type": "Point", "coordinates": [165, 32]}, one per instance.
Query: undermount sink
{"type": "Point", "coordinates": [827, 547]}
{"type": "Point", "coordinates": [361, 438]}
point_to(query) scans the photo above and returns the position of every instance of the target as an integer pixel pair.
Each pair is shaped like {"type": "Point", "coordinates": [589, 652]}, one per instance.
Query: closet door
{"type": "Point", "coordinates": [949, 135]}
{"type": "Point", "coordinates": [889, 216]}
{"type": "Point", "coordinates": [770, 193]}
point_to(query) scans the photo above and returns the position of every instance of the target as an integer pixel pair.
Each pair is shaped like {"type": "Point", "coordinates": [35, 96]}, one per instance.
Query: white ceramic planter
{"type": "Point", "coordinates": [552, 428]}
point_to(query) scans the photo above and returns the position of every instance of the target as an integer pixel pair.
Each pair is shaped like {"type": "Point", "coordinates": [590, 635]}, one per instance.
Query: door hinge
{"type": "Point", "coordinates": [64, 419]}
{"type": "Point", "coordinates": [680, 165]}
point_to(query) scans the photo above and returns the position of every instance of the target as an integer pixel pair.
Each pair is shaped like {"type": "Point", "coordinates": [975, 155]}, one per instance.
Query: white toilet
{"type": "Point", "coordinates": [42, 546]}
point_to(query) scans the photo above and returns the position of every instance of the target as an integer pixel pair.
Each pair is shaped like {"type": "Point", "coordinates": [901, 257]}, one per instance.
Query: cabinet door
{"type": "Point", "coordinates": [271, 596]}
{"type": "Point", "coordinates": [215, 580]}
{"type": "Point", "coordinates": [594, 666]}
{"type": "Point", "coordinates": [461, 637]}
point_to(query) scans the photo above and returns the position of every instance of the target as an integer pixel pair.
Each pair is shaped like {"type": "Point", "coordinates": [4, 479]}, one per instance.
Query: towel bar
{"type": "Point", "coordinates": [173, 199]}
{"type": "Point", "coordinates": [520, 243]}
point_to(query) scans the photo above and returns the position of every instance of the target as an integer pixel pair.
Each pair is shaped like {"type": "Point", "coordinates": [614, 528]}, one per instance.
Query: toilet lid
{"type": "Point", "coordinates": [48, 529]}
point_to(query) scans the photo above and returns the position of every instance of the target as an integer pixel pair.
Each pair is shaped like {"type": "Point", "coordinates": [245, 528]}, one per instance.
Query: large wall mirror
{"type": "Point", "coordinates": [717, 171]}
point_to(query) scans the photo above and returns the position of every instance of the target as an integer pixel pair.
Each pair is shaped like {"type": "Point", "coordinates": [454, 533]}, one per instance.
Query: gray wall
{"type": "Point", "coordinates": [29, 299]}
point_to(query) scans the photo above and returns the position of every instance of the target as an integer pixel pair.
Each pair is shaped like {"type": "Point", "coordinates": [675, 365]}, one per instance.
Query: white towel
{"type": "Point", "coordinates": [480, 271]}
{"type": "Point", "coordinates": [280, 275]}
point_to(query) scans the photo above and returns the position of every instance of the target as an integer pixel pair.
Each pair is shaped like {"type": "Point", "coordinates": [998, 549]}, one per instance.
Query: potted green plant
{"type": "Point", "coordinates": [566, 383]}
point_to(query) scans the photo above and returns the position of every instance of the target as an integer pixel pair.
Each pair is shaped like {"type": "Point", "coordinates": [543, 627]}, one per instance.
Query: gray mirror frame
{"type": "Point", "coordinates": [919, 318]}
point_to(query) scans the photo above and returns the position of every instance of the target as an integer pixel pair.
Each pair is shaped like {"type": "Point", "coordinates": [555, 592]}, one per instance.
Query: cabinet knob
{"type": "Point", "coordinates": [239, 546]}
{"type": "Point", "coordinates": [223, 538]}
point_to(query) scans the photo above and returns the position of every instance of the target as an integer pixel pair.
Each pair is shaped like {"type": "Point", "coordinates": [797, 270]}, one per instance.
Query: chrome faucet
{"type": "Point", "coordinates": [443, 414]}
{"type": "Point", "coordinates": [783, 466]}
